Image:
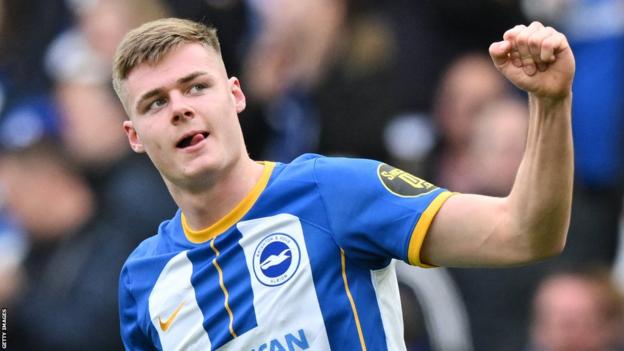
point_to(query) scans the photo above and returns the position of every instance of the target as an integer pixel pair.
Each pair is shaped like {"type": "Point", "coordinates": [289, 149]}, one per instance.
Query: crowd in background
{"type": "Point", "coordinates": [402, 81]}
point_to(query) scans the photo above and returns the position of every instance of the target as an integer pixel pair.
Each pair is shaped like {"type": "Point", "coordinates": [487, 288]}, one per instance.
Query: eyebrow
{"type": "Point", "coordinates": [187, 78]}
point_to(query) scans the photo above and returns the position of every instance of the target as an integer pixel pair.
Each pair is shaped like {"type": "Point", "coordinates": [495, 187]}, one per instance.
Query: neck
{"type": "Point", "coordinates": [204, 207]}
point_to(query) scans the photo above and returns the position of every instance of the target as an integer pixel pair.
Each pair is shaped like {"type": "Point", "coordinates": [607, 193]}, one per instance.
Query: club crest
{"type": "Point", "coordinates": [276, 259]}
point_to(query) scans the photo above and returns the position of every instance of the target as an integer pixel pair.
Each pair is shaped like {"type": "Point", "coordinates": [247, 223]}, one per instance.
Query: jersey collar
{"type": "Point", "coordinates": [203, 235]}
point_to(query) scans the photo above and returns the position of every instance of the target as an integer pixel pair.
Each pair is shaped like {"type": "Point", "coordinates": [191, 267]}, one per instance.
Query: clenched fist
{"type": "Point", "coordinates": [536, 59]}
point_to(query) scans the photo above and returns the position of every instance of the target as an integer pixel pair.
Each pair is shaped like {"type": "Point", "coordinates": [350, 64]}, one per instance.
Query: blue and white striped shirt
{"type": "Point", "coordinates": [303, 262]}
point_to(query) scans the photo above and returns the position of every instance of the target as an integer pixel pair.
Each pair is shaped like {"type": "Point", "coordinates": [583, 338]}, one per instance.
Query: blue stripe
{"type": "Point", "coordinates": [330, 291]}
{"type": "Point", "coordinates": [147, 271]}
{"type": "Point", "coordinates": [153, 336]}
{"type": "Point", "coordinates": [237, 280]}
{"type": "Point", "coordinates": [363, 292]}
{"type": "Point", "coordinates": [210, 296]}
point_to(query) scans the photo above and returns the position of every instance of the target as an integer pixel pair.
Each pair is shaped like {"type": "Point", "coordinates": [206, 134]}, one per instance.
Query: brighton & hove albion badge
{"type": "Point", "coordinates": [276, 259]}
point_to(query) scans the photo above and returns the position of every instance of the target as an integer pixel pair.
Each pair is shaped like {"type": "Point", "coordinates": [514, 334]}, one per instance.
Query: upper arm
{"type": "Point", "coordinates": [375, 211]}
{"type": "Point", "coordinates": [474, 230]}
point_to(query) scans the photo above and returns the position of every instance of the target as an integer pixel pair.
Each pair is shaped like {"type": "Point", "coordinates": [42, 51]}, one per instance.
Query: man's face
{"type": "Point", "coordinates": [184, 114]}
{"type": "Point", "coordinates": [569, 317]}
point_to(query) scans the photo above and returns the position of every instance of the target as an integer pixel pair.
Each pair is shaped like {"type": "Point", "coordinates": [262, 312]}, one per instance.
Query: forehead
{"type": "Point", "coordinates": [179, 62]}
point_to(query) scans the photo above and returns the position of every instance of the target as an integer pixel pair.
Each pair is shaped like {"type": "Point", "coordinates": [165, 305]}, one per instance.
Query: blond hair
{"type": "Point", "coordinates": [150, 42]}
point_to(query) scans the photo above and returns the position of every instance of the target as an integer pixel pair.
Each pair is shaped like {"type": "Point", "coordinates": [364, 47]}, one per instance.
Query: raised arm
{"type": "Point", "coordinates": [531, 223]}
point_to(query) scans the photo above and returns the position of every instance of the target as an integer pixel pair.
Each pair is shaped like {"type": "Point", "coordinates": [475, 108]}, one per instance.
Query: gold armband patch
{"type": "Point", "coordinates": [401, 183]}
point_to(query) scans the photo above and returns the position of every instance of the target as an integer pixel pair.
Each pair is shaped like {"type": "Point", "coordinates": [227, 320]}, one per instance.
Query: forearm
{"type": "Point", "coordinates": [532, 222]}
{"type": "Point", "coordinates": [540, 201]}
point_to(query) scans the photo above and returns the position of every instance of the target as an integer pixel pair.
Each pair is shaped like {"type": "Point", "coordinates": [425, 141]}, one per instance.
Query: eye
{"type": "Point", "coordinates": [197, 88]}
{"type": "Point", "coordinates": [156, 104]}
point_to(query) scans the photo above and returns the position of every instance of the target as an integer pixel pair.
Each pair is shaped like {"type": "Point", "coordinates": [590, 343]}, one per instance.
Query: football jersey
{"type": "Point", "coordinates": [303, 262]}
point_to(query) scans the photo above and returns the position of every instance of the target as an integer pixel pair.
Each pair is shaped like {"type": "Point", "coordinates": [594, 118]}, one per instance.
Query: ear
{"type": "Point", "coordinates": [237, 93]}
{"type": "Point", "coordinates": [133, 137]}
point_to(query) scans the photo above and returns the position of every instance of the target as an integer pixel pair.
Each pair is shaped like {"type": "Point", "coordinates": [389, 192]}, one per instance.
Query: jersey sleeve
{"type": "Point", "coordinates": [131, 334]}
{"type": "Point", "coordinates": [375, 211]}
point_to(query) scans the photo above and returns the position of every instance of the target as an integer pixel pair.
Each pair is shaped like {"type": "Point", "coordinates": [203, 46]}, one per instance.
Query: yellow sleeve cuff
{"type": "Point", "coordinates": [421, 229]}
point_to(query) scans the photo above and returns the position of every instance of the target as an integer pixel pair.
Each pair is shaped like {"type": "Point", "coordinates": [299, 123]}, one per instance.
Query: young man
{"type": "Point", "coordinates": [266, 256]}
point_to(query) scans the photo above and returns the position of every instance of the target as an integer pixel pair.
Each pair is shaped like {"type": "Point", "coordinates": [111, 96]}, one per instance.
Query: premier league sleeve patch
{"type": "Point", "coordinates": [401, 183]}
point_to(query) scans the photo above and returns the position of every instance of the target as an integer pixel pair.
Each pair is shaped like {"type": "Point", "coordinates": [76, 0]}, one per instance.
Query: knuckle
{"type": "Point", "coordinates": [534, 42]}
{"type": "Point", "coordinates": [522, 38]}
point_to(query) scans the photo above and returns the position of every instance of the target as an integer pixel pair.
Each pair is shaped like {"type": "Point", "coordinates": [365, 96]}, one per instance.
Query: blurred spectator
{"type": "Point", "coordinates": [470, 82]}
{"type": "Point", "coordinates": [91, 119]}
{"type": "Point", "coordinates": [127, 186]}
{"type": "Point", "coordinates": [390, 58]}
{"type": "Point", "coordinates": [497, 140]}
{"type": "Point", "coordinates": [75, 202]}
{"type": "Point", "coordinates": [354, 97]}
{"type": "Point", "coordinates": [291, 48]}
{"type": "Point", "coordinates": [45, 212]}
{"type": "Point", "coordinates": [577, 310]}
{"type": "Point", "coordinates": [83, 53]}
{"type": "Point", "coordinates": [75, 255]}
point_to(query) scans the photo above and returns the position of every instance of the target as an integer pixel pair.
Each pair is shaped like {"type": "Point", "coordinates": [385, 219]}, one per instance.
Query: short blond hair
{"type": "Point", "coordinates": [150, 42]}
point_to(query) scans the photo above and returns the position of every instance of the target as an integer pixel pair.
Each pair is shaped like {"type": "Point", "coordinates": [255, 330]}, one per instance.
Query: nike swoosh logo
{"type": "Point", "coordinates": [166, 324]}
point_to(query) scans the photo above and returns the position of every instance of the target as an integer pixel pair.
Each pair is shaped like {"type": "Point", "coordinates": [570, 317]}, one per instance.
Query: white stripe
{"type": "Point", "coordinates": [172, 289]}
{"type": "Point", "coordinates": [286, 308]}
{"type": "Point", "coordinates": [389, 302]}
{"type": "Point", "coordinates": [442, 306]}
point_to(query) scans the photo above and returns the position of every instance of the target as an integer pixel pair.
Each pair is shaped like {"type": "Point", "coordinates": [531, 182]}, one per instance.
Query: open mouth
{"type": "Point", "coordinates": [191, 140]}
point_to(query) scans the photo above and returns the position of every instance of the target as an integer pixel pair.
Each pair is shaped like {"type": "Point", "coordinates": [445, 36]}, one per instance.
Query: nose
{"type": "Point", "coordinates": [180, 109]}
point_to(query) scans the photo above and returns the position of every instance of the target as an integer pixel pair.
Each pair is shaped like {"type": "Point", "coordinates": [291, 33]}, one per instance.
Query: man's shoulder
{"type": "Point", "coordinates": [148, 247]}
{"type": "Point", "coordinates": [158, 244]}
{"type": "Point", "coordinates": [316, 162]}
{"type": "Point", "coordinates": [304, 160]}
{"type": "Point", "coordinates": [297, 169]}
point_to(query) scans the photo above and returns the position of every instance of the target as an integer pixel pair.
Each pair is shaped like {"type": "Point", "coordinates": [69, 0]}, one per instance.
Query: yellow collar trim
{"type": "Point", "coordinates": [203, 235]}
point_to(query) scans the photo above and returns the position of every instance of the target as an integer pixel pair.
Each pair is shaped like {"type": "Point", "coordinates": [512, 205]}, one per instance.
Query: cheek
{"type": "Point", "coordinates": [231, 128]}
{"type": "Point", "coordinates": [150, 136]}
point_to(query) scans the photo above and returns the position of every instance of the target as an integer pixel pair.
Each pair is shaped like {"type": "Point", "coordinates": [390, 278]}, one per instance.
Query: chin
{"type": "Point", "coordinates": [204, 166]}
{"type": "Point", "coordinates": [200, 170]}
